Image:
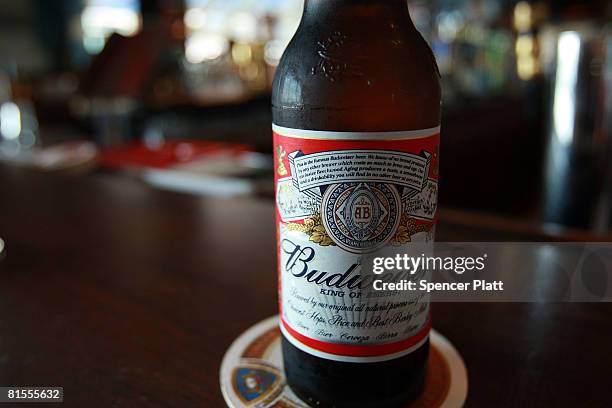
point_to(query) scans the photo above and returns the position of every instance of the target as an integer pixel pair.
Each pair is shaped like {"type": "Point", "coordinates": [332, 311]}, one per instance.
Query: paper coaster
{"type": "Point", "coordinates": [252, 372]}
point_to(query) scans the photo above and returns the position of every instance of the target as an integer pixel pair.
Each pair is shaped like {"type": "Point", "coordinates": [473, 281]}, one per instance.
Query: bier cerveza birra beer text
{"type": "Point", "coordinates": [356, 110]}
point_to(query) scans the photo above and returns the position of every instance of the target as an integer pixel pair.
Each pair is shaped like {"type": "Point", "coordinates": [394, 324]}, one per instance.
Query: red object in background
{"type": "Point", "coordinates": [167, 154]}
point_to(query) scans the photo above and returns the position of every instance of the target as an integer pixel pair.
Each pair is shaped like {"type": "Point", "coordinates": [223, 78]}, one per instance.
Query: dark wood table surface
{"type": "Point", "coordinates": [128, 297]}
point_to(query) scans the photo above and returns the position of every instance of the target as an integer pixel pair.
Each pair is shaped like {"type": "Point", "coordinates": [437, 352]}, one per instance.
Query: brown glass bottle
{"type": "Point", "coordinates": [356, 66]}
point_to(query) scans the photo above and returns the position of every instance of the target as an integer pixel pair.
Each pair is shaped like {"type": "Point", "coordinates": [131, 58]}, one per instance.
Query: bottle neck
{"type": "Point", "coordinates": [382, 10]}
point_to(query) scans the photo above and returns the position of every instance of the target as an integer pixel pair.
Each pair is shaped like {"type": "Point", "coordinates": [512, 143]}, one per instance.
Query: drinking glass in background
{"type": "Point", "coordinates": [578, 175]}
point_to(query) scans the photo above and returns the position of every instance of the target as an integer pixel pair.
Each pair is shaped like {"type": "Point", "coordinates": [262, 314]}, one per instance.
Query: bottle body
{"type": "Point", "coordinates": [356, 91]}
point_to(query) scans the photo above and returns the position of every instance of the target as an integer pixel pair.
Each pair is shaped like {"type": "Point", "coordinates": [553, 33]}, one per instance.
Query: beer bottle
{"type": "Point", "coordinates": [356, 112]}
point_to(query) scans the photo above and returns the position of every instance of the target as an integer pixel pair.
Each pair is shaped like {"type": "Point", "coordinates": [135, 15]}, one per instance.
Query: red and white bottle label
{"type": "Point", "coordinates": [343, 198]}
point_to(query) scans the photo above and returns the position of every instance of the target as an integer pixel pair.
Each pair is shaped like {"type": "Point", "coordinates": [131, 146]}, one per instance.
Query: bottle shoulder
{"type": "Point", "coordinates": [334, 70]}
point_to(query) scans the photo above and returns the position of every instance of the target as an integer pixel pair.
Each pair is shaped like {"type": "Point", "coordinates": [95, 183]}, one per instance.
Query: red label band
{"type": "Point", "coordinates": [339, 197]}
{"type": "Point", "coordinates": [356, 350]}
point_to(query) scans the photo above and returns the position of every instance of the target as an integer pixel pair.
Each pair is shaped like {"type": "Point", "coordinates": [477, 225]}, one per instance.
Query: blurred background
{"type": "Point", "coordinates": [177, 93]}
